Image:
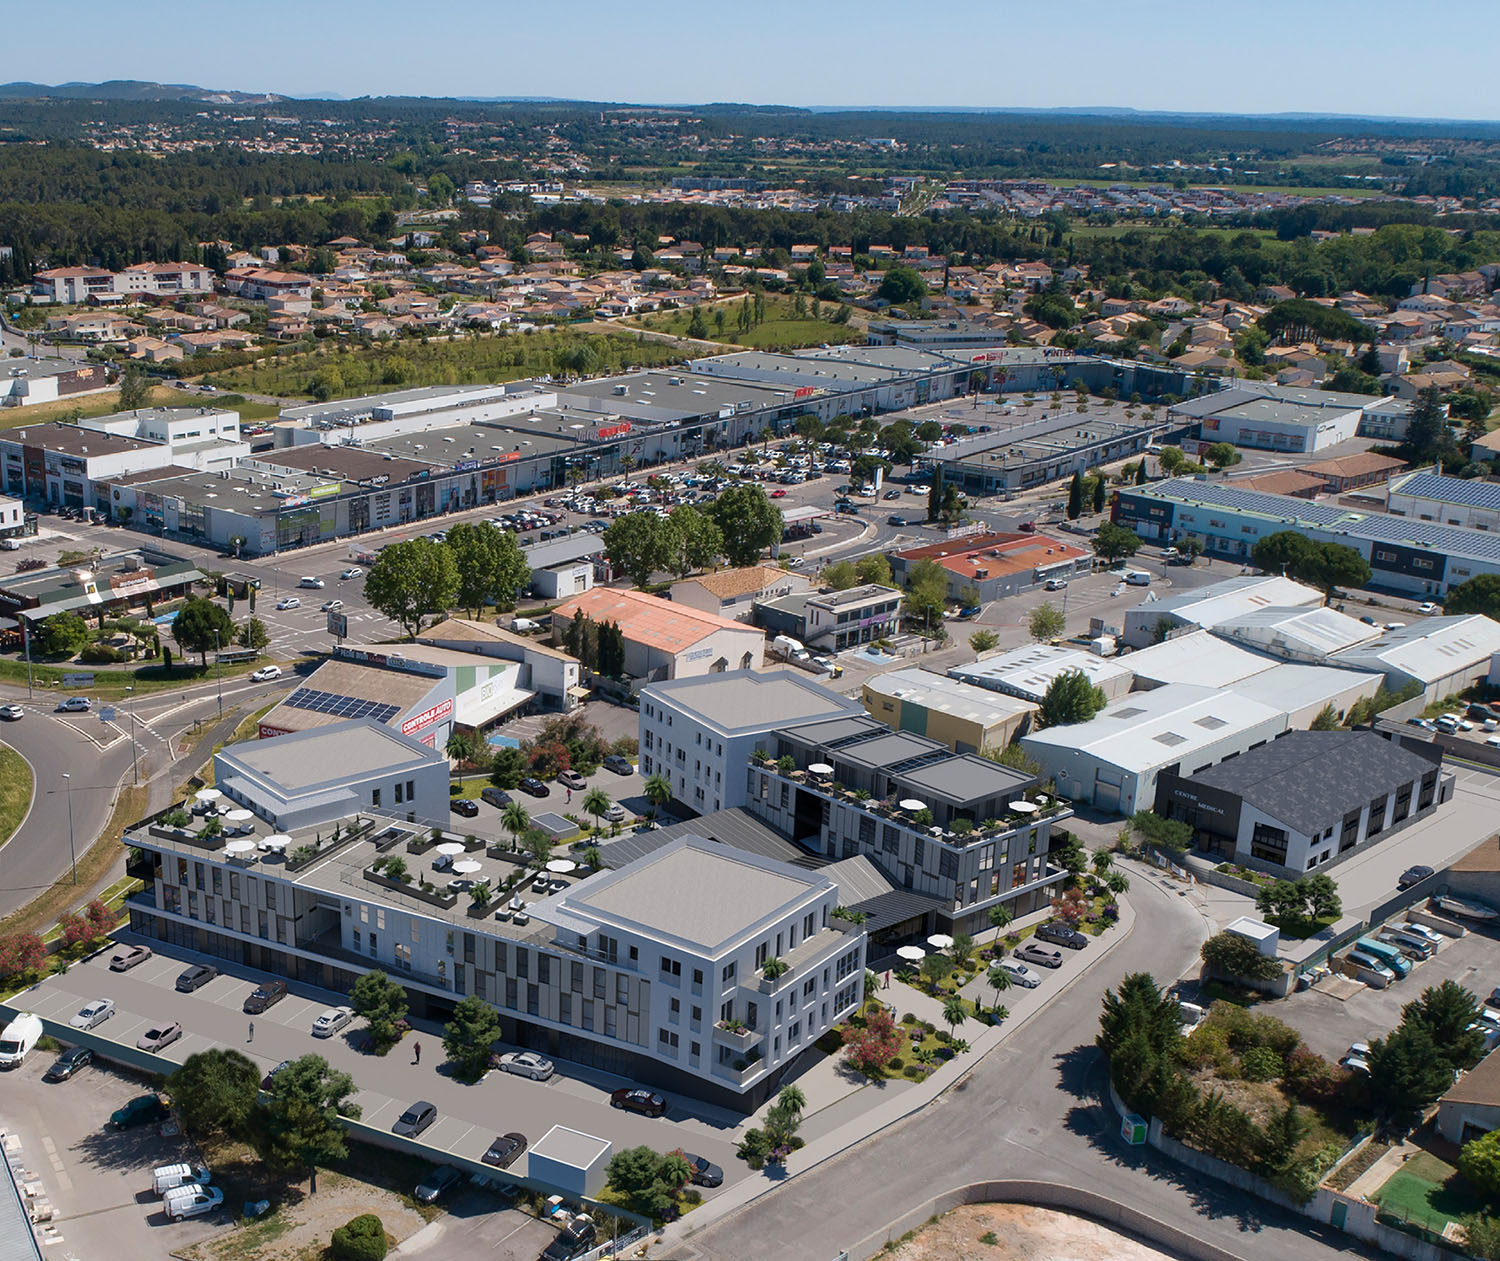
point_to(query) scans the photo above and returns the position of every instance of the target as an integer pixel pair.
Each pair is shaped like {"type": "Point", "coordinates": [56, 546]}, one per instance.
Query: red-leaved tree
{"type": "Point", "coordinates": [101, 919]}
{"type": "Point", "coordinates": [872, 1048]}
{"type": "Point", "coordinates": [21, 954]}
{"type": "Point", "coordinates": [74, 929]}
{"type": "Point", "coordinates": [1071, 907]}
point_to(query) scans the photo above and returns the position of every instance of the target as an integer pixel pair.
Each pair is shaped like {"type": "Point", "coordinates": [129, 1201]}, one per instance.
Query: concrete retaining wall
{"type": "Point", "coordinates": [1051, 1195]}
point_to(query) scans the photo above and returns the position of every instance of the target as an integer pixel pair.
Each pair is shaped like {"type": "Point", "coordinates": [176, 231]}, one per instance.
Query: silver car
{"type": "Point", "coordinates": [94, 1013]}
{"type": "Point", "coordinates": [527, 1064]}
{"type": "Point", "coordinates": [331, 1021]}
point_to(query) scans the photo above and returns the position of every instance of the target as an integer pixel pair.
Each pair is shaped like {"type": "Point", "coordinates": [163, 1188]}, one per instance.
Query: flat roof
{"type": "Point", "coordinates": [797, 371]}
{"type": "Point", "coordinates": [694, 890]}
{"type": "Point", "coordinates": [570, 1147]}
{"type": "Point", "coordinates": [752, 700]}
{"type": "Point", "coordinates": [686, 392]}
{"type": "Point", "coordinates": [948, 696]}
{"type": "Point", "coordinates": [997, 554]}
{"type": "Point", "coordinates": [967, 778]}
{"type": "Point", "coordinates": [68, 439]}
{"type": "Point", "coordinates": [244, 490]}
{"type": "Point", "coordinates": [1029, 671]}
{"type": "Point", "coordinates": [1280, 412]}
{"type": "Point", "coordinates": [446, 445]}
{"type": "Point", "coordinates": [861, 594]}
{"type": "Point", "coordinates": [348, 463]}
{"type": "Point", "coordinates": [1197, 657]}
{"type": "Point", "coordinates": [1145, 730]}
{"type": "Point", "coordinates": [310, 759]}
{"type": "Point", "coordinates": [1292, 685]}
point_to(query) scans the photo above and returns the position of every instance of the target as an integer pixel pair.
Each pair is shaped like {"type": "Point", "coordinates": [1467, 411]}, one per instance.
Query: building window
{"type": "Point", "coordinates": [375, 798]}
{"type": "Point", "coordinates": [1269, 844]}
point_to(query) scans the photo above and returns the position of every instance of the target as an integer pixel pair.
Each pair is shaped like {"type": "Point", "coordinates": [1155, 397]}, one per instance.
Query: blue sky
{"type": "Point", "coordinates": [1325, 56]}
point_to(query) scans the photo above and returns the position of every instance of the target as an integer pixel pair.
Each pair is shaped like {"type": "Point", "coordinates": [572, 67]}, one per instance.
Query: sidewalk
{"type": "Point", "coordinates": [896, 1104]}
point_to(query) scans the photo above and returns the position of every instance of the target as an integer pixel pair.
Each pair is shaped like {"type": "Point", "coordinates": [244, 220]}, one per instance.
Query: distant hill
{"type": "Point", "coordinates": [133, 90]}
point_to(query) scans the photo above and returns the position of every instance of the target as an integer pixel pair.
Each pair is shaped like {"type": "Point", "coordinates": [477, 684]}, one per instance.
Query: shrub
{"type": "Point", "coordinates": [915, 1071]}
{"type": "Point", "coordinates": [909, 1018]}
{"type": "Point", "coordinates": [1261, 1064]}
{"type": "Point", "coordinates": [101, 655]}
{"type": "Point", "coordinates": [21, 954]}
{"type": "Point", "coordinates": [361, 1238]}
{"type": "Point", "coordinates": [897, 1064]}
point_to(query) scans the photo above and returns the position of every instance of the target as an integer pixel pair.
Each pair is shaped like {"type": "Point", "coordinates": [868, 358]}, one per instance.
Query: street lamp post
{"type": "Point", "coordinates": [72, 852]}
{"type": "Point", "coordinates": [135, 776]}
{"type": "Point", "coordinates": [219, 672]}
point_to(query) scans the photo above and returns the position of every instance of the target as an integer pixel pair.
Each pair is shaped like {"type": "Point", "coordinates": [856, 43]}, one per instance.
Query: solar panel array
{"type": "Point", "coordinates": [341, 706]}
{"type": "Point", "coordinates": [1376, 527]}
{"type": "Point", "coordinates": [1453, 490]}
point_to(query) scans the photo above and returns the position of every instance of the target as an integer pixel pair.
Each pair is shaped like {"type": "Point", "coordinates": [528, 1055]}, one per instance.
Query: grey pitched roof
{"type": "Point", "coordinates": [1309, 780]}
{"type": "Point", "coordinates": [737, 828]}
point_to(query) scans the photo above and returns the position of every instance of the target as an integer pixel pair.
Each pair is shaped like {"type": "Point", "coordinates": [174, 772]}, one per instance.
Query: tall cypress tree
{"type": "Point", "coordinates": [1075, 497]}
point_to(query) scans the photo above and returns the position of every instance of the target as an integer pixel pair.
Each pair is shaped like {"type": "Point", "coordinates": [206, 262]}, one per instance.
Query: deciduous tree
{"type": "Point", "coordinates": [298, 1128]}
{"type": "Point", "coordinates": [202, 625]}
{"type": "Point", "coordinates": [215, 1092]}
{"type": "Point", "coordinates": [748, 521]}
{"type": "Point", "coordinates": [382, 1003]}
{"type": "Point", "coordinates": [1070, 698]}
{"type": "Point", "coordinates": [410, 580]}
{"type": "Point", "coordinates": [469, 1036]}
{"type": "Point", "coordinates": [490, 565]}
{"type": "Point", "coordinates": [1046, 622]}
{"type": "Point", "coordinates": [640, 544]}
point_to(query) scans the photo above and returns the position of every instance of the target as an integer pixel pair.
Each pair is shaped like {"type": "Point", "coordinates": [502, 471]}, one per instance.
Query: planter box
{"type": "Point", "coordinates": [435, 898]}
{"type": "Point", "coordinates": [769, 985]}
{"type": "Point", "coordinates": [740, 1040]}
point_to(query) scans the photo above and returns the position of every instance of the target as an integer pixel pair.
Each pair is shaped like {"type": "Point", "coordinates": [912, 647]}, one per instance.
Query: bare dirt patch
{"type": "Point", "coordinates": [303, 1229]}
{"type": "Point", "coordinates": [1021, 1232]}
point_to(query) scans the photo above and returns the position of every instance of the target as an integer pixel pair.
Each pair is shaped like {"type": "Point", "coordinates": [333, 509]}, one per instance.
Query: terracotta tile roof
{"type": "Point", "coordinates": [1282, 482]}
{"type": "Point", "coordinates": [1355, 465]}
{"type": "Point", "coordinates": [728, 584]}
{"type": "Point", "coordinates": [648, 618]}
{"type": "Point", "coordinates": [1016, 552]}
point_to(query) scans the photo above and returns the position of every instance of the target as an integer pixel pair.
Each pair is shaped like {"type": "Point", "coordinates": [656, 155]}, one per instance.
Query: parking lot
{"type": "Point", "coordinates": [97, 1179]}
{"type": "Point", "coordinates": [469, 1116]}
{"type": "Point", "coordinates": [1329, 1026]}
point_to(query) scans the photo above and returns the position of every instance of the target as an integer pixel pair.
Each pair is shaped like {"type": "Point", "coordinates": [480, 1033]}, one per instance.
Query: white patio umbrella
{"type": "Point", "coordinates": [239, 847]}
{"type": "Point", "coordinates": [468, 867]}
{"type": "Point", "coordinates": [821, 768]}
{"type": "Point", "coordinates": [913, 954]}
{"type": "Point", "coordinates": [276, 843]}
{"type": "Point", "coordinates": [1024, 807]}
{"type": "Point", "coordinates": [451, 849]}
{"type": "Point", "coordinates": [940, 941]}
{"type": "Point", "coordinates": [562, 865]}
{"type": "Point", "coordinates": [911, 803]}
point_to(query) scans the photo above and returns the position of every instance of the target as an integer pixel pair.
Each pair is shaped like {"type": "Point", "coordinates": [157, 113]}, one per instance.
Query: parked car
{"type": "Point", "coordinates": [68, 1063]}
{"type": "Point", "coordinates": [354, 571]}
{"type": "Point", "coordinates": [534, 787]}
{"type": "Point", "coordinates": [289, 602]}
{"type": "Point", "coordinates": [634, 1099]}
{"type": "Point", "coordinates": [1035, 952]}
{"type": "Point", "coordinates": [704, 1172]}
{"type": "Point", "coordinates": [265, 995]}
{"type": "Point", "coordinates": [311, 584]}
{"type": "Point", "coordinates": [577, 1237]}
{"type": "Point", "coordinates": [159, 1037]}
{"type": "Point", "coordinates": [12, 713]}
{"type": "Point", "coordinates": [269, 1079]}
{"type": "Point", "coordinates": [138, 1111]}
{"type": "Point", "coordinates": [94, 1013]}
{"type": "Point", "coordinates": [166, 1178]}
{"type": "Point", "coordinates": [1056, 584]}
{"type": "Point", "coordinates": [616, 813]}
{"type": "Point", "coordinates": [332, 606]}
{"type": "Point", "coordinates": [496, 797]}
{"type": "Point", "coordinates": [331, 1021]}
{"type": "Point", "coordinates": [619, 765]}
{"type": "Point", "coordinates": [892, 494]}
{"type": "Point", "coordinates": [1062, 935]}
{"type": "Point", "coordinates": [265, 674]}
{"type": "Point", "coordinates": [1020, 974]}
{"type": "Point", "coordinates": [442, 1179]}
{"type": "Point", "coordinates": [572, 779]}
{"type": "Point", "coordinates": [1413, 875]}
{"type": "Point", "coordinates": [124, 960]}
{"type": "Point", "coordinates": [502, 1153]}
{"type": "Point", "coordinates": [527, 1064]}
{"type": "Point", "coordinates": [75, 705]}
{"type": "Point", "coordinates": [1355, 1064]}
{"type": "Point", "coordinates": [195, 977]}
{"type": "Point", "coordinates": [192, 1202]}
{"type": "Point", "coordinates": [415, 1119]}
{"type": "Point", "coordinates": [464, 808]}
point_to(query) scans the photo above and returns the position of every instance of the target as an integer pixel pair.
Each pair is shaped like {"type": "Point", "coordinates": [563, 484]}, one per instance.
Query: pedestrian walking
{"type": "Point", "coordinates": [252, 1031]}
{"type": "Point", "coordinates": [417, 1047]}
{"type": "Point", "coordinates": [570, 796]}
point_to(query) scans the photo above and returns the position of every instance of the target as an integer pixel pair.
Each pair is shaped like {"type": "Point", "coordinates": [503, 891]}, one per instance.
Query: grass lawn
{"type": "Point", "coordinates": [1428, 1192]}
{"type": "Point", "coordinates": [16, 783]}
{"type": "Point", "coordinates": [111, 684]}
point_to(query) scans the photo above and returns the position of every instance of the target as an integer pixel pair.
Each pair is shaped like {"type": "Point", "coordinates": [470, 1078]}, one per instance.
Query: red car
{"type": "Point", "coordinates": [778, 494]}
{"type": "Point", "coordinates": [633, 1099]}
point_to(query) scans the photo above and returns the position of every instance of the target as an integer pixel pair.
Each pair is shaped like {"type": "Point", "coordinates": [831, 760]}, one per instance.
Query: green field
{"type": "Point", "coordinates": [1428, 1192]}
{"type": "Point", "coordinates": [782, 329]}
{"type": "Point", "coordinates": [112, 684]}
{"type": "Point", "coordinates": [87, 406]}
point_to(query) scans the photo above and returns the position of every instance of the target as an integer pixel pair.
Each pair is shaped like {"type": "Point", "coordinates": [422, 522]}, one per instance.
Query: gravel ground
{"type": "Point", "coordinates": [1022, 1233]}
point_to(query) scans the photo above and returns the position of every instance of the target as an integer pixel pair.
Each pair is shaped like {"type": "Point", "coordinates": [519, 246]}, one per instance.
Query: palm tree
{"type": "Point", "coordinates": [516, 821]}
{"type": "Point", "coordinates": [953, 1012]}
{"type": "Point", "coordinates": [999, 980]}
{"type": "Point", "coordinates": [592, 857]}
{"type": "Point", "coordinates": [460, 747]}
{"type": "Point", "coordinates": [658, 792]}
{"type": "Point", "coordinates": [1102, 862]}
{"type": "Point", "coordinates": [872, 982]}
{"type": "Point", "coordinates": [1000, 916]}
{"type": "Point", "coordinates": [597, 803]}
{"type": "Point", "coordinates": [1118, 882]}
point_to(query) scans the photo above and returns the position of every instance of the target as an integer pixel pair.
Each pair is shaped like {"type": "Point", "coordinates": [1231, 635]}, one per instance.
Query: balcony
{"type": "Point", "coordinates": [738, 1039]}
{"type": "Point", "coordinates": [737, 1075]}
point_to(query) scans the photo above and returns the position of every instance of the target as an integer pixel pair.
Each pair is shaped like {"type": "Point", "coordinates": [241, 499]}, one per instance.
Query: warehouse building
{"type": "Point", "coordinates": [1442, 655]}
{"type": "Point", "coordinates": [1208, 607]}
{"type": "Point", "coordinates": [24, 382]}
{"type": "Point", "coordinates": [1113, 760]}
{"type": "Point", "coordinates": [1194, 656]}
{"type": "Point", "coordinates": [1307, 634]}
{"type": "Point", "coordinates": [966, 718]}
{"type": "Point", "coordinates": [1027, 673]}
{"type": "Point", "coordinates": [1306, 800]}
{"type": "Point", "coordinates": [1275, 417]}
{"type": "Point", "coordinates": [1471, 503]}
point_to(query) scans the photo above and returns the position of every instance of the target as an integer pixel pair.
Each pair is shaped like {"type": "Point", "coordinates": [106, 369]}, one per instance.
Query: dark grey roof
{"type": "Point", "coordinates": [864, 887]}
{"type": "Point", "coordinates": [1451, 490]}
{"type": "Point", "coordinates": [1309, 780]}
{"type": "Point", "coordinates": [737, 828]}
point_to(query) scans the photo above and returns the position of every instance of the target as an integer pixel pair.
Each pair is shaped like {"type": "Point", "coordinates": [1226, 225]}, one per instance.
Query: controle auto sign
{"type": "Point", "coordinates": [426, 718]}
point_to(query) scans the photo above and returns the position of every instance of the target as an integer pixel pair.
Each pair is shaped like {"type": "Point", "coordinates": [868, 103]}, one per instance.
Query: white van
{"type": "Point", "coordinates": [520, 625]}
{"type": "Point", "coordinates": [1137, 578]}
{"type": "Point", "coordinates": [19, 1037]}
{"type": "Point", "coordinates": [786, 646]}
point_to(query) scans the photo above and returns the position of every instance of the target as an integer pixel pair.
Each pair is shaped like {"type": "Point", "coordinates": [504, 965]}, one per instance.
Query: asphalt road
{"type": "Point", "coordinates": [1035, 1108]}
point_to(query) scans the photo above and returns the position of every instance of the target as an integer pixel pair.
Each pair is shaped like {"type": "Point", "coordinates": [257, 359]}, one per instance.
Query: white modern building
{"type": "Point", "coordinates": [12, 516]}
{"type": "Point", "coordinates": [204, 438]}
{"type": "Point", "coordinates": [1112, 760]}
{"type": "Point", "coordinates": [552, 676]}
{"type": "Point", "coordinates": [1444, 655]}
{"type": "Point", "coordinates": [1207, 607]}
{"type": "Point", "coordinates": [99, 284]}
{"type": "Point", "coordinates": [664, 640]}
{"type": "Point", "coordinates": [1028, 672]}
{"type": "Point", "coordinates": [699, 733]}
{"type": "Point", "coordinates": [348, 767]}
{"type": "Point", "coordinates": [1429, 496]}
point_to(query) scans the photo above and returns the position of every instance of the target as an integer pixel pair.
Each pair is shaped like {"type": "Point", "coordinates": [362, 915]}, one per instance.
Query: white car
{"type": "Point", "coordinates": [1020, 974]}
{"type": "Point", "coordinates": [266, 673]}
{"type": "Point", "coordinates": [332, 606]}
{"type": "Point", "coordinates": [94, 1013]}
{"type": "Point", "coordinates": [1056, 584]}
{"type": "Point", "coordinates": [75, 705]}
{"type": "Point", "coordinates": [527, 1064]}
{"type": "Point", "coordinates": [616, 813]}
{"type": "Point", "coordinates": [1427, 607]}
{"type": "Point", "coordinates": [289, 602]}
{"type": "Point", "coordinates": [331, 1021]}
{"type": "Point", "coordinates": [191, 1201]}
{"type": "Point", "coordinates": [12, 713]}
{"type": "Point", "coordinates": [312, 584]}
{"type": "Point", "coordinates": [1355, 1064]}
{"type": "Point", "coordinates": [354, 571]}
